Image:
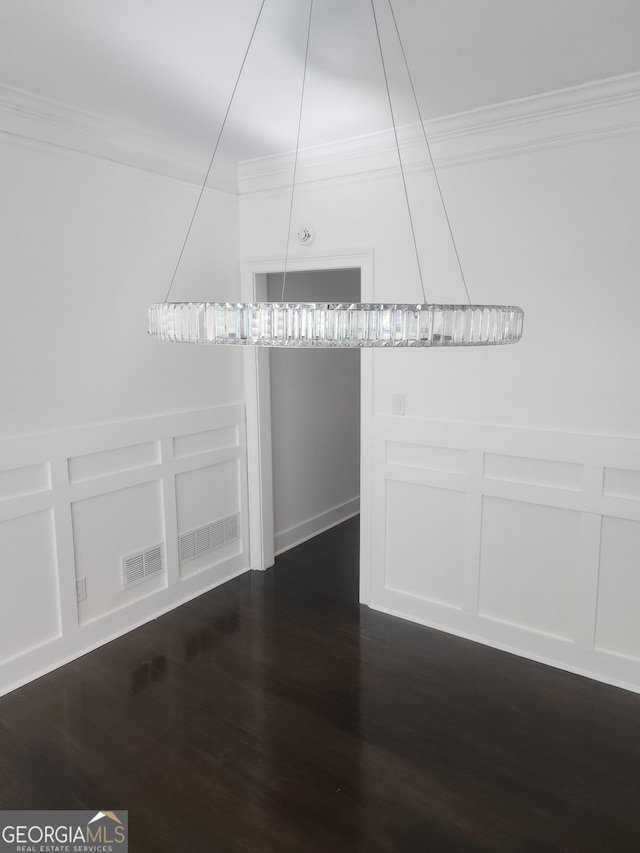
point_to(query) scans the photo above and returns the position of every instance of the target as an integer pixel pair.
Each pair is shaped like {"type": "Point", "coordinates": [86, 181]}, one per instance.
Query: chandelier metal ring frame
{"type": "Point", "coordinates": [331, 325]}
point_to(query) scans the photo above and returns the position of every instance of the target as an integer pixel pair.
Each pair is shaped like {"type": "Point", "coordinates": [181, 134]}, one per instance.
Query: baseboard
{"type": "Point", "coordinates": [299, 533]}
{"type": "Point", "coordinates": [609, 668]}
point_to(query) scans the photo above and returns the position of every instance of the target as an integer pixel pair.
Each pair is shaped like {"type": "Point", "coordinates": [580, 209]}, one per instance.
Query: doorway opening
{"type": "Point", "coordinates": [315, 418]}
{"type": "Point", "coordinates": [358, 264]}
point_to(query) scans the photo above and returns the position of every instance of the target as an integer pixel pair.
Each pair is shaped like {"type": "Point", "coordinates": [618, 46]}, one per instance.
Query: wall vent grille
{"type": "Point", "coordinates": [140, 567]}
{"type": "Point", "coordinates": [197, 542]}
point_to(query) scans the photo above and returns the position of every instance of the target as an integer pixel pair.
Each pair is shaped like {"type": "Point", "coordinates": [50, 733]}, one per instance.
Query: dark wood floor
{"type": "Point", "coordinates": [274, 715]}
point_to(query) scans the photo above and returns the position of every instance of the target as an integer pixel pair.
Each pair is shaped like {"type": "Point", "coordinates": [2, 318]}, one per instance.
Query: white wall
{"type": "Point", "coordinates": [94, 464]}
{"type": "Point", "coordinates": [315, 419]}
{"type": "Point", "coordinates": [88, 244]}
{"type": "Point", "coordinates": [494, 513]}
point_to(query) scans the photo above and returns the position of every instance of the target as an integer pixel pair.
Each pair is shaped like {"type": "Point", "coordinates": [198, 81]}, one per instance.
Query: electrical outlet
{"type": "Point", "coordinates": [81, 589]}
{"type": "Point", "coordinates": [397, 404]}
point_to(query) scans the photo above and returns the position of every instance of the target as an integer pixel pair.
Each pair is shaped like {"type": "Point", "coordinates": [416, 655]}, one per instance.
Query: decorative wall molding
{"type": "Point", "coordinates": [39, 120]}
{"type": "Point", "coordinates": [605, 107]}
{"type": "Point", "coordinates": [161, 470]}
{"type": "Point", "coordinates": [507, 498]}
{"type": "Point", "coordinates": [595, 110]}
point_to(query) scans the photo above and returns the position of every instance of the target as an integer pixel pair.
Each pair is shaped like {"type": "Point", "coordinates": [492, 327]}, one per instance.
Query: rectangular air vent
{"type": "Point", "coordinates": [208, 538]}
{"type": "Point", "coordinates": [140, 567]}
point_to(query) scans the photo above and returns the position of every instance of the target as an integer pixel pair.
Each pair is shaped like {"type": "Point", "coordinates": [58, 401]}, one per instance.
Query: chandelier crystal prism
{"type": "Point", "coordinates": [331, 325]}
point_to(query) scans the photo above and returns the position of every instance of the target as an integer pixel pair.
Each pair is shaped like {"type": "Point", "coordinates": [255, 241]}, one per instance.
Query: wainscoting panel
{"type": "Point", "coordinates": [528, 557]}
{"type": "Point", "coordinates": [527, 540]}
{"type": "Point", "coordinates": [28, 480]}
{"type": "Point", "coordinates": [201, 442]}
{"type": "Point", "coordinates": [618, 618]}
{"type": "Point", "coordinates": [425, 528]}
{"type": "Point", "coordinates": [107, 528]}
{"type": "Point", "coordinates": [30, 616]}
{"type": "Point", "coordinates": [208, 493]}
{"type": "Point", "coordinates": [206, 496]}
{"type": "Point", "coordinates": [90, 524]}
{"type": "Point", "coordinates": [105, 462]}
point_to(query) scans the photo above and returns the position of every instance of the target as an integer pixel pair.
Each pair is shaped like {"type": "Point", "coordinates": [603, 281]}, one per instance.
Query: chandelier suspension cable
{"type": "Point", "coordinates": [295, 160]}
{"type": "Point", "coordinates": [334, 324]}
{"type": "Point", "coordinates": [429, 152]}
{"type": "Point", "coordinates": [215, 150]}
{"type": "Point", "coordinates": [395, 134]}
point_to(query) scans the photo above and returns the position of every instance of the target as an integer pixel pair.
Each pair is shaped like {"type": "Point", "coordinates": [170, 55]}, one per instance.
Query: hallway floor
{"type": "Point", "coordinates": [275, 715]}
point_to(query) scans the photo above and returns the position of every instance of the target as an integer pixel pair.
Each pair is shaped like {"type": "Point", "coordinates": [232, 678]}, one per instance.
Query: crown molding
{"type": "Point", "coordinates": [33, 118]}
{"type": "Point", "coordinates": [595, 110]}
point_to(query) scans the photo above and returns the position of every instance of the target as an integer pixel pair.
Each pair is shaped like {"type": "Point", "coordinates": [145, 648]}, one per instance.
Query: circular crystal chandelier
{"type": "Point", "coordinates": [333, 324]}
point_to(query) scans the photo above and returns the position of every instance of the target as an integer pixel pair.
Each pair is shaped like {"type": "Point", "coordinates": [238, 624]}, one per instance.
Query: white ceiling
{"type": "Point", "coordinates": [167, 67]}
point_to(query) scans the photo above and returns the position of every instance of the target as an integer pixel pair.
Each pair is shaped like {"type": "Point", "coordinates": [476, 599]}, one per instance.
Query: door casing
{"type": "Point", "coordinates": [258, 409]}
